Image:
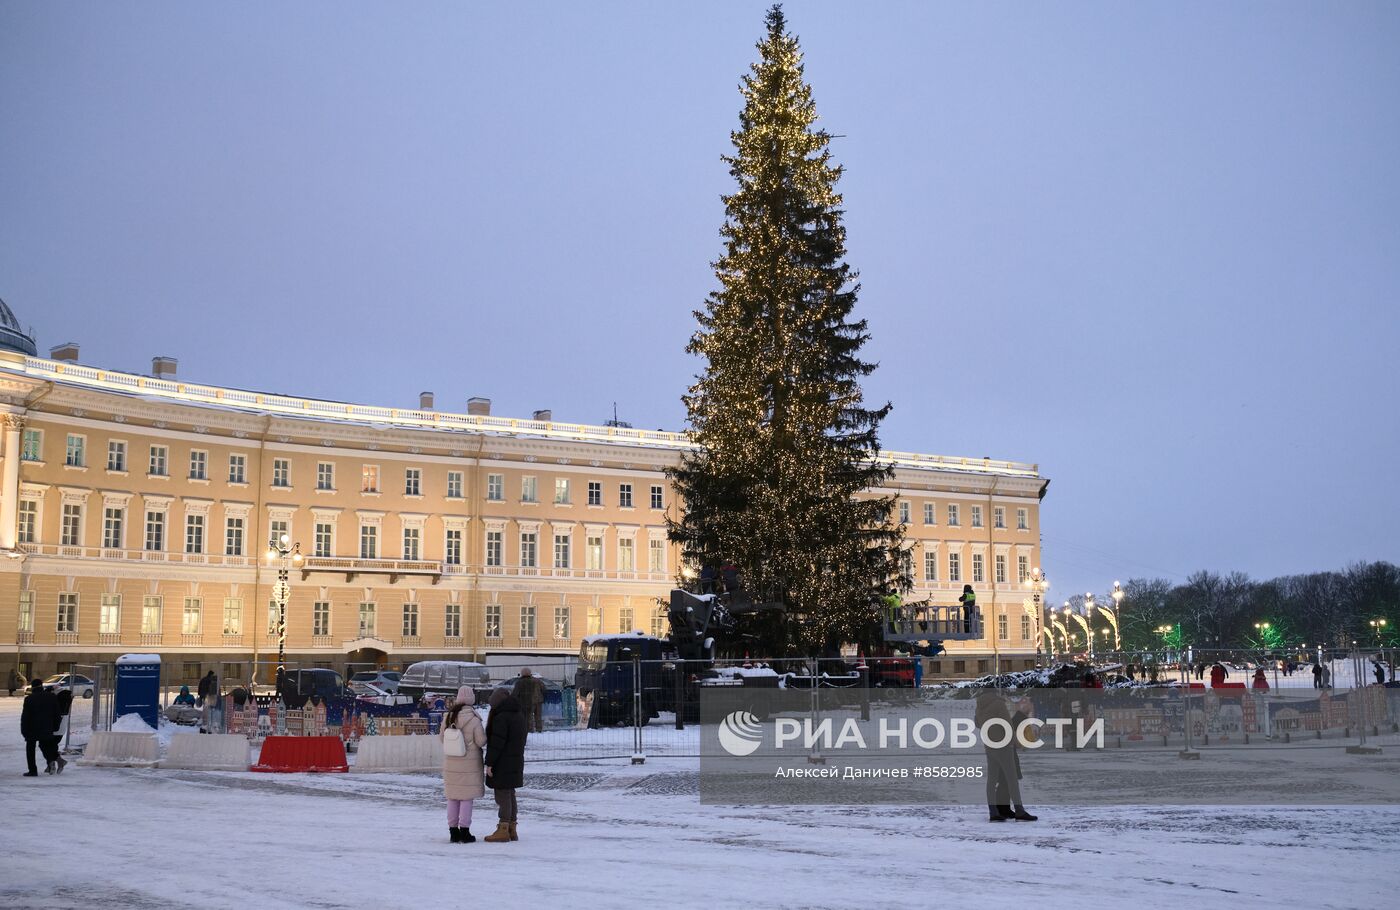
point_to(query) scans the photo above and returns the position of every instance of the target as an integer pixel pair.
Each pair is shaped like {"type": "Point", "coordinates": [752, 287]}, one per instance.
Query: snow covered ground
{"type": "Point", "coordinates": [607, 834]}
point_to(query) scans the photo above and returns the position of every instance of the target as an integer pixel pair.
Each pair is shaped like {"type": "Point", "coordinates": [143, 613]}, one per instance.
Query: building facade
{"type": "Point", "coordinates": [135, 512]}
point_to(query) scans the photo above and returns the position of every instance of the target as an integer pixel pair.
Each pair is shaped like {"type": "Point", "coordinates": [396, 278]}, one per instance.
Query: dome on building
{"type": "Point", "coordinates": [12, 337]}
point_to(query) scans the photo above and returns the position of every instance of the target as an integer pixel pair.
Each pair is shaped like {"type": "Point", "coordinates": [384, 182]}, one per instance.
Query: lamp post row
{"type": "Point", "coordinates": [282, 547]}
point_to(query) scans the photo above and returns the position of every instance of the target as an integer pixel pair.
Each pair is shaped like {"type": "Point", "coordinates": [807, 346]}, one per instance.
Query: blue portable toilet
{"type": "Point", "coordinates": [138, 688]}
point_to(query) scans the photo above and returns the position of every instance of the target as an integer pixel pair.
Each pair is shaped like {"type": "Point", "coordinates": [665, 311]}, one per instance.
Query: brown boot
{"type": "Point", "coordinates": [512, 832]}
{"type": "Point", "coordinates": [500, 836]}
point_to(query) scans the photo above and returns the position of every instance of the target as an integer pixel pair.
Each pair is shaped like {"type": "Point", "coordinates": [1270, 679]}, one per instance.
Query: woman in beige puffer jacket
{"type": "Point", "coordinates": [462, 778]}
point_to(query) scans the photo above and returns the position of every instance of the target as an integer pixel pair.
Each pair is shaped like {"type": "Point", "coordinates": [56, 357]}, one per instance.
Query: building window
{"type": "Point", "coordinates": [325, 475]}
{"type": "Point", "coordinates": [529, 549]}
{"type": "Point", "coordinates": [1000, 564]}
{"type": "Point", "coordinates": [529, 489]}
{"type": "Point", "coordinates": [527, 621]}
{"type": "Point", "coordinates": [199, 465]}
{"type": "Point", "coordinates": [109, 614]}
{"type": "Point", "coordinates": [159, 462]}
{"type": "Point", "coordinates": [322, 542]}
{"type": "Point", "coordinates": [410, 620]}
{"type": "Point", "coordinates": [561, 623]}
{"type": "Point", "coordinates": [452, 550]}
{"type": "Point", "coordinates": [411, 543]}
{"type": "Point", "coordinates": [32, 447]}
{"type": "Point", "coordinates": [1002, 632]}
{"type": "Point", "coordinates": [561, 551]}
{"type": "Point", "coordinates": [112, 528]}
{"type": "Point", "coordinates": [952, 515]}
{"type": "Point", "coordinates": [192, 619]}
{"type": "Point", "coordinates": [452, 621]}
{"type": "Point", "coordinates": [281, 472]}
{"type": "Point", "coordinates": [150, 615]}
{"type": "Point", "coordinates": [275, 529]}
{"type": "Point", "coordinates": [1025, 628]}
{"type": "Point", "coordinates": [561, 491]}
{"type": "Point", "coordinates": [369, 478]}
{"type": "Point", "coordinates": [67, 612]}
{"type": "Point", "coordinates": [233, 537]}
{"type": "Point", "coordinates": [977, 568]}
{"type": "Point", "coordinates": [656, 555]}
{"type": "Point", "coordinates": [26, 611]}
{"type": "Point", "coordinates": [494, 547]}
{"type": "Point", "coordinates": [496, 487]}
{"type": "Point", "coordinates": [233, 616]}
{"type": "Point", "coordinates": [194, 533]}
{"type": "Point", "coordinates": [624, 495]}
{"type": "Point", "coordinates": [930, 566]}
{"type": "Point", "coordinates": [626, 555]}
{"type": "Point", "coordinates": [1022, 520]}
{"type": "Point", "coordinates": [658, 622]}
{"type": "Point", "coordinates": [658, 496]}
{"type": "Point", "coordinates": [595, 621]}
{"type": "Point", "coordinates": [626, 621]}
{"type": "Point", "coordinates": [27, 530]}
{"type": "Point", "coordinates": [454, 484]}
{"type": "Point", "coordinates": [595, 493]}
{"type": "Point", "coordinates": [906, 564]}
{"type": "Point", "coordinates": [369, 541]}
{"type": "Point", "coordinates": [155, 531]}
{"type": "Point", "coordinates": [930, 514]}
{"type": "Point", "coordinates": [903, 512]}
{"type": "Point", "coordinates": [998, 517]}
{"type": "Point", "coordinates": [594, 553]}
{"type": "Point", "coordinates": [273, 615]}
{"type": "Point", "coordinates": [366, 619]}
{"type": "Point", "coordinates": [75, 454]}
{"type": "Point", "coordinates": [413, 482]}
{"type": "Point", "coordinates": [71, 525]}
{"type": "Point", "coordinates": [977, 516]}
{"type": "Point", "coordinates": [238, 468]}
{"type": "Point", "coordinates": [321, 617]}
{"type": "Point", "coordinates": [955, 567]}
{"type": "Point", "coordinates": [116, 455]}
{"type": "Point", "coordinates": [493, 620]}
{"type": "Point", "coordinates": [1023, 571]}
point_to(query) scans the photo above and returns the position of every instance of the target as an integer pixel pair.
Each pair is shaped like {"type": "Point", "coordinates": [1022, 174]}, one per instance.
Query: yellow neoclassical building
{"type": "Point", "coordinates": [135, 512]}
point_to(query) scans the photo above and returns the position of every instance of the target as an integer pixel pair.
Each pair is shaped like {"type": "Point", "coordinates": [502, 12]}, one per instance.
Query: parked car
{"type": "Point", "coordinates": [385, 680]}
{"type": "Point", "coordinates": [72, 682]}
{"type": "Point", "coordinates": [299, 685]}
{"type": "Point", "coordinates": [442, 677]}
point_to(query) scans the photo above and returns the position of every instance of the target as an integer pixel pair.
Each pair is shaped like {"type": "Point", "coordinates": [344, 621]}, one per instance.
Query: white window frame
{"type": "Point", "coordinates": [930, 565]}
{"type": "Point", "coordinates": [75, 450]}
{"type": "Point", "coordinates": [454, 484]}
{"type": "Point", "coordinates": [325, 476]}
{"type": "Point", "coordinates": [495, 488]}
{"type": "Point", "coordinates": [113, 527]}
{"type": "Point", "coordinates": [369, 478]}
{"type": "Point", "coordinates": [152, 607]}
{"type": "Point", "coordinates": [413, 543]}
{"type": "Point", "coordinates": [594, 548]}
{"type": "Point", "coordinates": [1023, 520]}
{"type": "Point", "coordinates": [413, 481]}
{"type": "Point", "coordinates": [109, 614]}
{"type": "Point", "coordinates": [158, 461]}
{"type": "Point", "coordinates": [67, 618]}
{"type": "Point", "coordinates": [155, 521]}
{"type": "Point", "coordinates": [931, 514]}
{"type": "Point", "coordinates": [529, 488]}
{"type": "Point", "coordinates": [199, 464]}
{"type": "Point", "coordinates": [196, 532]}
{"type": "Point", "coordinates": [237, 468]}
{"type": "Point", "coordinates": [452, 620]}
{"type": "Point", "coordinates": [561, 491]}
{"type": "Point", "coordinates": [528, 624]}
{"type": "Point", "coordinates": [320, 618]}
{"type": "Point", "coordinates": [368, 609]}
{"type": "Point", "coordinates": [410, 619]}
{"type": "Point", "coordinates": [31, 447]}
{"type": "Point", "coordinates": [233, 616]}
{"type": "Point", "coordinates": [529, 549]}
{"type": "Point", "coordinates": [658, 497]}
{"type": "Point", "coordinates": [282, 473]}
{"type": "Point", "coordinates": [563, 550]}
{"type": "Point", "coordinates": [116, 456]}
{"type": "Point", "coordinates": [193, 606]}
{"type": "Point", "coordinates": [954, 567]}
{"type": "Point", "coordinates": [595, 492]}
{"type": "Point", "coordinates": [563, 627]}
{"type": "Point", "coordinates": [976, 516]}
{"type": "Point", "coordinates": [452, 546]}
{"type": "Point", "coordinates": [954, 515]}
{"type": "Point", "coordinates": [624, 496]}
{"type": "Point", "coordinates": [369, 540]}
{"type": "Point", "coordinates": [492, 621]}
{"type": "Point", "coordinates": [235, 535]}
{"type": "Point", "coordinates": [495, 547]}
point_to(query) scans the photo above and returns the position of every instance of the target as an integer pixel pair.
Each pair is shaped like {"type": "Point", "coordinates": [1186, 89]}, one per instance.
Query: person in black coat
{"type": "Point", "coordinates": [505, 761]}
{"type": "Point", "coordinates": [38, 721]}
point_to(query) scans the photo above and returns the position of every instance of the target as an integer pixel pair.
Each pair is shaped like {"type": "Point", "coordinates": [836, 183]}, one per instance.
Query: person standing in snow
{"type": "Point", "coordinates": [1317, 676]}
{"type": "Point", "coordinates": [529, 691]}
{"type": "Point", "coordinates": [16, 681]}
{"type": "Point", "coordinates": [463, 776]}
{"type": "Point", "coordinates": [1326, 677]}
{"type": "Point", "coordinates": [505, 761]}
{"type": "Point", "coordinates": [1260, 682]}
{"type": "Point", "coordinates": [1379, 671]}
{"type": "Point", "coordinates": [1218, 675]}
{"type": "Point", "coordinates": [1003, 764]}
{"type": "Point", "coordinates": [38, 721]}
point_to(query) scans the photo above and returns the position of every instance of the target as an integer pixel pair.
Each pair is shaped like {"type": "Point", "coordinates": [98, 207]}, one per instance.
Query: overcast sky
{"type": "Point", "coordinates": [1154, 247]}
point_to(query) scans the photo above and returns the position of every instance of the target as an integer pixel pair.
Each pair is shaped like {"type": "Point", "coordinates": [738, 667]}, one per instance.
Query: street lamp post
{"type": "Point", "coordinates": [1038, 584]}
{"type": "Point", "coordinates": [1117, 616]}
{"type": "Point", "coordinates": [290, 555]}
{"type": "Point", "coordinates": [1377, 626]}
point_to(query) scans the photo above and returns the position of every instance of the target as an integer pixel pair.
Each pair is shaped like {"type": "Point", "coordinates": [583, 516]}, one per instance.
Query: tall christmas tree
{"type": "Point", "coordinates": [787, 449]}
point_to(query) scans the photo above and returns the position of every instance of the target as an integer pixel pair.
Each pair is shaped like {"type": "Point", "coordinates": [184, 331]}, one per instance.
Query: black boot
{"type": "Point", "coordinates": [467, 836]}
{"type": "Point", "coordinates": [456, 834]}
{"type": "Point", "coordinates": [995, 814]}
{"type": "Point", "coordinates": [1006, 812]}
{"type": "Point", "coordinates": [1021, 815]}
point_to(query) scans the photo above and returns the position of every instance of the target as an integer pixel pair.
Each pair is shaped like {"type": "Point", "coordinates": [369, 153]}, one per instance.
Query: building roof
{"type": "Point", "coordinates": [12, 335]}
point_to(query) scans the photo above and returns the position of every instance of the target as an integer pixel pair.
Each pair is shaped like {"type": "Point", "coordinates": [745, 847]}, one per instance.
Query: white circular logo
{"type": "Point", "coordinates": [740, 733]}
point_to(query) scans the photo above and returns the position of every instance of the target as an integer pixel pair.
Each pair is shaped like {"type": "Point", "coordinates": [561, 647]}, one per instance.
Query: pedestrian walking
{"type": "Point", "coordinates": [529, 691]}
{"type": "Point", "coordinates": [1003, 763]}
{"type": "Point", "coordinates": [505, 761]}
{"type": "Point", "coordinates": [1260, 682]}
{"type": "Point", "coordinates": [1218, 675]}
{"type": "Point", "coordinates": [1317, 675]}
{"type": "Point", "coordinates": [969, 608]}
{"type": "Point", "coordinates": [1201, 670]}
{"type": "Point", "coordinates": [15, 681]}
{"type": "Point", "coordinates": [39, 720]}
{"type": "Point", "coordinates": [1378, 671]}
{"type": "Point", "coordinates": [463, 775]}
{"type": "Point", "coordinates": [209, 701]}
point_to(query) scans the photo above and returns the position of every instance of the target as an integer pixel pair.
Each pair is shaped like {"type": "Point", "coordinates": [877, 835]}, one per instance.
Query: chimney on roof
{"type": "Point", "coordinates": [545, 415]}
{"type": "Point", "coordinates": [163, 367]}
{"type": "Point", "coordinates": [425, 401]}
{"type": "Point", "coordinates": [479, 407]}
{"type": "Point", "coordinates": [67, 351]}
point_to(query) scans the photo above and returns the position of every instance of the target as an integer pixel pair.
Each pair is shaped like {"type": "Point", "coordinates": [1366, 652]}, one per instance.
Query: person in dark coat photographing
{"type": "Point", "coordinates": [38, 721]}
{"type": "Point", "coordinates": [505, 761]}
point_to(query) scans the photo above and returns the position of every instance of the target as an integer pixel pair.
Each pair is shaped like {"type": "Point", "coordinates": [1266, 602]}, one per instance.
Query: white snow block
{"type": "Point", "coordinates": [216, 752]}
{"type": "Point", "coordinates": [121, 750]}
{"type": "Point", "coordinates": [399, 753]}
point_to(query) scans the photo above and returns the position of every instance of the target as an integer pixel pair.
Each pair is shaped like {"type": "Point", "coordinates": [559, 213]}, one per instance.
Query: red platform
{"type": "Point", "coordinates": [302, 753]}
{"type": "Point", "coordinates": [1230, 685]}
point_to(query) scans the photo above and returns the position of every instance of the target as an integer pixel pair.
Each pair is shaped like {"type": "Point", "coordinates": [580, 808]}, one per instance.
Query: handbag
{"type": "Point", "coordinates": [453, 742]}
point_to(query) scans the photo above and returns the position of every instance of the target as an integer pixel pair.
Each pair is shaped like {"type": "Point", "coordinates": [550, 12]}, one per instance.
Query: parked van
{"type": "Point", "coordinates": [442, 677]}
{"type": "Point", "coordinates": [605, 671]}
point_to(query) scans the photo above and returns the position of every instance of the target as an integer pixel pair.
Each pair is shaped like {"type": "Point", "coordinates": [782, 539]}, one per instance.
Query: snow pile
{"type": "Point", "coordinates": [741, 672]}
{"type": "Point", "coordinates": [131, 723]}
